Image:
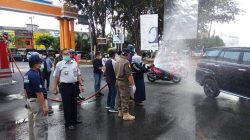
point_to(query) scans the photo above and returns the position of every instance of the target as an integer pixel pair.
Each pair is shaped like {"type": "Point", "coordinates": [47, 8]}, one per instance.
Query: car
{"type": "Point", "coordinates": [225, 69]}
{"type": "Point", "coordinates": [16, 56]}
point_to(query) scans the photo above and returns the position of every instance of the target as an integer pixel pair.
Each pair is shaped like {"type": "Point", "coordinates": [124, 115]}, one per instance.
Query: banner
{"type": "Point", "coordinates": [149, 32]}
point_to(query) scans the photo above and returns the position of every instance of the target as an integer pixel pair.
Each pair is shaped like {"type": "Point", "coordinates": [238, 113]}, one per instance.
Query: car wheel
{"type": "Point", "coordinates": [176, 79]}
{"type": "Point", "coordinates": [211, 88]}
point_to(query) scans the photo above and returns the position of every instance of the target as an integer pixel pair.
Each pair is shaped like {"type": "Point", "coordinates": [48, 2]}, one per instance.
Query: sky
{"type": "Point", "coordinates": [240, 28]}
{"type": "Point", "coordinates": [21, 19]}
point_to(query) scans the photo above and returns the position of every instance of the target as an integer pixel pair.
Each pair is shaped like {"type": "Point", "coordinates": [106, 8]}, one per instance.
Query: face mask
{"type": "Point", "coordinates": [41, 67]}
{"type": "Point", "coordinates": [66, 58]}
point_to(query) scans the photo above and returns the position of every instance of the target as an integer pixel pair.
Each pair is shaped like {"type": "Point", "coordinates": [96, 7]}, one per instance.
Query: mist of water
{"type": "Point", "coordinates": [180, 28]}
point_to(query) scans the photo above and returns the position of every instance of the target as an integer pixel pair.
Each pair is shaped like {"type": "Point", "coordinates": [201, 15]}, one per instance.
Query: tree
{"type": "Point", "coordinates": [45, 40]}
{"type": "Point", "coordinates": [222, 11]}
{"type": "Point", "coordinates": [82, 42]}
{"type": "Point", "coordinates": [96, 11]}
{"type": "Point", "coordinates": [56, 44]}
{"type": "Point", "coordinates": [214, 41]}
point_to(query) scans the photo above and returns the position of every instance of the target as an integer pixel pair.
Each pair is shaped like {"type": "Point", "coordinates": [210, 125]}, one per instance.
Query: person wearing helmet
{"type": "Point", "coordinates": [37, 100]}
{"type": "Point", "coordinates": [124, 82]}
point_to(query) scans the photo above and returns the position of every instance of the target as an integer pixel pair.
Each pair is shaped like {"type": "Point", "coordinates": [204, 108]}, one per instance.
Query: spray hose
{"type": "Point", "coordinates": [16, 66]}
{"type": "Point", "coordinates": [91, 96]}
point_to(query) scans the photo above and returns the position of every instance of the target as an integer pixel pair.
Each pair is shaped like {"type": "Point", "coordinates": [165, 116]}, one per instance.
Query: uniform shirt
{"type": "Point", "coordinates": [122, 69]}
{"type": "Point", "coordinates": [33, 83]}
{"type": "Point", "coordinates": [67, 72]}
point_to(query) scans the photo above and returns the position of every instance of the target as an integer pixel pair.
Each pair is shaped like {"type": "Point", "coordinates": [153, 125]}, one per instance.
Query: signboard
{"type": "Point", "coordinates": [118, 39]}
{"type": "Point", "coordinates": [82, 19]}
{"type": "Point", "coordinates": [23, 34]}
{"type": "Point", "coordinates": [101, 41]}
{"type": "Point", "coordinates": [149, 32]}
{"type": "Point", "coordinates": [180, 21]}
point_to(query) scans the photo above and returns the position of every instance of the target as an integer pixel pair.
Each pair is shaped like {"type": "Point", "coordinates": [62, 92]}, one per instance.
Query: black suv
{"type": "Point", "coordinates": [225, 69]}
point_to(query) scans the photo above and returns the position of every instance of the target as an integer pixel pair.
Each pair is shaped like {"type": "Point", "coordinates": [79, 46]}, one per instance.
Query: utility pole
{"type": "Point", "coordinates": [32, 30]}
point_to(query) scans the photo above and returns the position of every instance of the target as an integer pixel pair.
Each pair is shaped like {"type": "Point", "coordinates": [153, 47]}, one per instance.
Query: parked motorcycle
{"type": "Point", "coordinates": [159, 74]}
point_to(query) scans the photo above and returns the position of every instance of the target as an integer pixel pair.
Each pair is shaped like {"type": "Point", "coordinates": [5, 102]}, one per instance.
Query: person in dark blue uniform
{"type": "Point", "coordinates": [37, 100]}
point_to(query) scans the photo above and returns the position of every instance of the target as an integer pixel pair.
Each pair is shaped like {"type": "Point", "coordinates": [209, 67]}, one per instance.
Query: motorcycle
{"type": "Point", "coordinates": [159, 74]}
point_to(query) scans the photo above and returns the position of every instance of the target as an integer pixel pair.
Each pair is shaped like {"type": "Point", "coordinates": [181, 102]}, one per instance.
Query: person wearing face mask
{"type": "Point", "coordinates": [37, 100]}
{"type": "Point", "coordinates": [97, 70]}
{"type": "Point", "coordinates": [138, 69]}
{"type": "Point", "coordinates": [68, 74]}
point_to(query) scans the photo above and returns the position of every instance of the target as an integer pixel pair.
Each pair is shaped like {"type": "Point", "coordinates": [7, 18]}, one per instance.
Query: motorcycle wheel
{"type": "Point", "coordinates": [151, 77]}
{"type": "Point", "coordinates": [176, 79]}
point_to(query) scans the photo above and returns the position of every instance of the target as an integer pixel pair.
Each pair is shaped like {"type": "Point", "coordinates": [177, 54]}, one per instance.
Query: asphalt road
{"type": "Point", "coordinates": [171, 112]}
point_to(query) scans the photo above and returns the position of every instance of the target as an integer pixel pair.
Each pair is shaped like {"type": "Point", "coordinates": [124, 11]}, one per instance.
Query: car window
{"type": "Point", "coordinates": [229, 56]}
{"type": "Point", "coordinates": [211, 54]}
{"type": "Point", "coordinates": [246, 58]}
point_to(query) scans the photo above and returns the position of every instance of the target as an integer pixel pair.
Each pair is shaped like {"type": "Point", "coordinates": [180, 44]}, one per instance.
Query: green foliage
{"type": "Point", "coordinates": [16, 41]}
{"type": "Point", "coordinates": [45, 40]}
{"type": "Point", "coordinates": [215, 41]}
{"type": "Point", "coordinates": [56, 44]}
{"type": "Point", "coordinates": [222, 11]}
{"type": "Point", "coordinates": [82, 42]}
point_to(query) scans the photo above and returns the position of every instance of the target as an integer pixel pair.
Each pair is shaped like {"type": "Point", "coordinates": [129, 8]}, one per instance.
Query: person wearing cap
{"type": "Point", "coordinates": [37, 100]}
{"type": "Point", "coordinates": [124, 82]}
{"type": "Point", "coordinates": [131, 49]}
{"type": "Point", "coordinates": [68, 73]}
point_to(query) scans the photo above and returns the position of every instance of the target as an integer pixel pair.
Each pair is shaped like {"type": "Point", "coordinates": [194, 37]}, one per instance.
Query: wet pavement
{"type": "Point", "coordinates": [171, 112]}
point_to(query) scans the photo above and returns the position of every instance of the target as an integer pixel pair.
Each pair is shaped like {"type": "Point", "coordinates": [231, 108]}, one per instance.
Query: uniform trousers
{"type": "Point", "coordinates": [38, 123]}
{"type": "Point", "coordinates": [123, 92]}
{"type": "Point", "coordinates": [69, 93]}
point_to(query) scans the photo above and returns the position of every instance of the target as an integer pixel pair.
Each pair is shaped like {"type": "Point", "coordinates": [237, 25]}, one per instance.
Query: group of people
{"type": "Point", "coordinates": [123, 72]}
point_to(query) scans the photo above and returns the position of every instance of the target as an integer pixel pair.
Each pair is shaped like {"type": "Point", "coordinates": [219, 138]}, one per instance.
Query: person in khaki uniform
{"type": "Point", "coordinates": [124, 83]}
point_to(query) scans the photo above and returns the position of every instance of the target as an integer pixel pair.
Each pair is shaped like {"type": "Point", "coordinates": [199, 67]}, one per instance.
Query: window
{"type": "Point", "coordinates": [27, 42]}
{"type": "Point", "coordinates": [229, 56]}
{"type": "Point", "coordinates": [211, 54]}
{"type": "Point", "coordinates": [246, 58]}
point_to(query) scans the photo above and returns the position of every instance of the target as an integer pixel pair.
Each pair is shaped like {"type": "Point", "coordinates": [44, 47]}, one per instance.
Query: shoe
{"type": "Point", "coordinates": [120, 114]}
{"type": "Point", "coordinates": [131, 101]}
{"type": "Point", "coordinates": [78, 122]}
{"type": "Point", "coordinates": [50, 111]}
{"type": "Point", "coordinates": [128, 117]}
{"type": "Point", "coordinates": [71, 128]}
{"type": "Point", "coordinates": [80, 98]}
{"type": "Point", "coordinates": [112, 110]}
{"type": "Point", "coordinates": [138, 103]}
{"type": "Point", "coordinates": [107, 107]}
